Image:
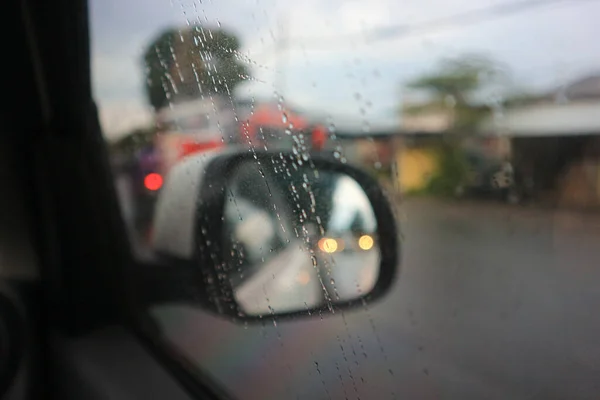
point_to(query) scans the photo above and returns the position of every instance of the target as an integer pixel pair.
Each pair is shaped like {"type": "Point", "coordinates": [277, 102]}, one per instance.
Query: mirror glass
{"type": "Point", "coordinates": [297, 238]}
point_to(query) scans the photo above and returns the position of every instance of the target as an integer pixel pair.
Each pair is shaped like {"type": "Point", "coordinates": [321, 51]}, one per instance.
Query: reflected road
{"type": "Point", "coordinates": [493, 302]}
{"type": "Point", "coordinates": [289, 281]}
{"type": "Point", "coordinates": [285, 283]}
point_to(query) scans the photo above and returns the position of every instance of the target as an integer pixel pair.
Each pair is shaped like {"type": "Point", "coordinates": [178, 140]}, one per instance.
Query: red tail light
{"type": "Point", "coordinates": [319, 137]}
{"type": "Point", "coordinates": [188, 148]}
{"type": "Point", "coordinates": [153, 181]}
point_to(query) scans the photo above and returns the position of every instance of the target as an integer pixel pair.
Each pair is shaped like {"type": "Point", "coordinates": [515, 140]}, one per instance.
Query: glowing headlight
{"type": "Point", "coordinates": [365, 242]}
{"type": "Point", "coordinates": [328, 245]}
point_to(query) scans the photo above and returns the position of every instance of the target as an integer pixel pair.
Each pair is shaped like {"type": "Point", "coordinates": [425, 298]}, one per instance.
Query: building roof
{"type": "Point", "coordinates": [584, 88]}
{"type": "Point", "coordinates": [552, 119]}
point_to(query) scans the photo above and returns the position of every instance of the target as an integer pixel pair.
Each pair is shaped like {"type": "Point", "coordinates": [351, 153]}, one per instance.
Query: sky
{"type": "Point", "coordinates": [349, 199]}
{"type": "Point", "coordinates": [330, 67]}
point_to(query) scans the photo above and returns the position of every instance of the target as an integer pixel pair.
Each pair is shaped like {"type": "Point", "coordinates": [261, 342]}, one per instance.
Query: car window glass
{"type": "Point", "coordinates": [479, 119]}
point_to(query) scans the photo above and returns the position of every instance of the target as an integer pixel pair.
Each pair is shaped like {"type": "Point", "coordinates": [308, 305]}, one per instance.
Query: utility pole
{"type": "Point", "coordinates": [281, 49]}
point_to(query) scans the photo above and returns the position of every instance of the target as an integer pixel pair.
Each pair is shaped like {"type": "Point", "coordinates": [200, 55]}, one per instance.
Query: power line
{"type": "Point", "coordinates": [462, 19]}
{"type": "Point", "coordinates": [398, 31]}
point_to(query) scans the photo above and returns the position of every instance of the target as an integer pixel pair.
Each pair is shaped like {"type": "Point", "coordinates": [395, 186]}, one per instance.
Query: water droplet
{"type": "Point", "coordinates": [284, 118]}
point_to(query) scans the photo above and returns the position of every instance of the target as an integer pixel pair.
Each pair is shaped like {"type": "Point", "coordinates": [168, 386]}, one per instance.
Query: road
{"type": "Point", "coordinates": [493, 302]}
{"type": "Point", "coordinates": [289, 282]}
{"type": "Point", "coordinates": [278, 290]}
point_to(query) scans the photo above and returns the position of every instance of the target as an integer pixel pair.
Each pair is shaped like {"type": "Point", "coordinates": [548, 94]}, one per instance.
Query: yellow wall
{"type": "Point", "coordinates": [416, 166]}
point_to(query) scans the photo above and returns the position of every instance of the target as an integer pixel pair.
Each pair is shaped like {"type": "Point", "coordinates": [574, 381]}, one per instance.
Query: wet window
{"type": "Point", "coordinates": [243, 136]}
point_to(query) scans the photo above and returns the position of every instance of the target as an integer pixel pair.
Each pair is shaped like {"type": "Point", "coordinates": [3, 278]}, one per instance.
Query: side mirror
{"type": "Point", "coordinates": [273, 234]}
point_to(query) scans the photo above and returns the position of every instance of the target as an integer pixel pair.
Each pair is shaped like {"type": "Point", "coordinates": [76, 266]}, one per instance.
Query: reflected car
{"type": "Point", "coordinates": [336, 244]}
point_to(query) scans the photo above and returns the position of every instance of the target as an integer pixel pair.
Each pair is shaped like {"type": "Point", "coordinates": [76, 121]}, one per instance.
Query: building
{"type": "Point", "coordinates": [552, 140]}
{"type": "Point", "coordinates": [555, 141]}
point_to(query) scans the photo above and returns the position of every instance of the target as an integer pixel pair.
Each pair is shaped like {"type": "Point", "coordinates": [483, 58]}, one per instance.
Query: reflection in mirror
{"type": "Point", "coordinates": [297, 240]}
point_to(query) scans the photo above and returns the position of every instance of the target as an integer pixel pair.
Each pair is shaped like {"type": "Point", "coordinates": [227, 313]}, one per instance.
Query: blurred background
{"type": "Point", "coordinates": [482, 120]}
{"type": "Point", "coordinates": [497, 102]}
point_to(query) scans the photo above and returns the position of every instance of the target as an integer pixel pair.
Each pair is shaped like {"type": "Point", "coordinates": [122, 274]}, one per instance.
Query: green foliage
{"type": "Point", "coordinates": [453, 84]}
{"type": "Point", "coordinates": [467, 118]}
{"type": "Point", "coordinates": [435, 105]}
{"type": "Point", "coordinates": [458, 77]}
{"type": "Point", "coordinates": [186, 63]}
{"type": "Point", "coordinates": [525, 99]}
{"type": "Point", "coordinates": [451, 173]}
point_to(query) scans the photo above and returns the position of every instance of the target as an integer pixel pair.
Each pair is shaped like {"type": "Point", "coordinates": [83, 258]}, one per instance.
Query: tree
{"type": "Point", "coordinates": [454, 84]}
{"type": "Point", "coordinates": [188, 63]}
{"type": "Point", "coordinates": [454, 87]}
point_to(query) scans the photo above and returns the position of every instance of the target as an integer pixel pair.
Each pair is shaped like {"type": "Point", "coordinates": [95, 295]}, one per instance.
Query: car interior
{"type": "Point", "coordinates": [72, 291]}
{"type": "Point", "coordinates": [271, 253]}
{"type": "Point", "coordinates": [67, 327]}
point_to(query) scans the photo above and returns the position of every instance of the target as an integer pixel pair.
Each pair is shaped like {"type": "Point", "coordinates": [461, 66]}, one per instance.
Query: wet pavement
{"type": "Point", "coordinates": [493, 302]}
